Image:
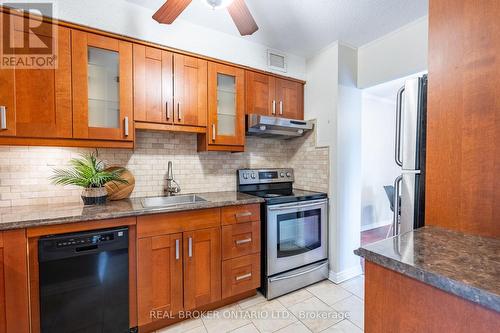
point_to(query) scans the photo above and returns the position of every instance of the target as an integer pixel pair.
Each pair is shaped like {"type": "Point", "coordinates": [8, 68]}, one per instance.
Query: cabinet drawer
{"type": "Point", "coordinates": [240, 214]}
{"type": "Point", "coordinates": [240, 239]}
{"type": "Point", "coordinates": [169, 223]}
{"type": "Point", "coordinates": [240, 275]}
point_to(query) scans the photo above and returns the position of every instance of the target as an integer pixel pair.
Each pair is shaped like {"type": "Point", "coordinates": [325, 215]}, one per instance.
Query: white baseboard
{"type": "Point", "coordinates": [375, 225]}
{"type": "Point", "coordinates": [345, 274]}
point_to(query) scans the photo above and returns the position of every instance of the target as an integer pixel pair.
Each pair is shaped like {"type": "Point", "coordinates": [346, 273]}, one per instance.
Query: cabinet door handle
{"type": "Point", "coordinates": [281, 107]}
{"type": "Point", "coordinates": [177, 255]}
{"type": "Point", "coordinates": [274, 106]}
{"type": "Point", "coordinates": [166, 110]}
{"type": "Point", "coordinates": [245, 276]}
{"type": "Point", "coordinates": [213, 132]}
{"type": "Point", "coordinates": [190, 247]}
{"type": "Point", "coordinates": [243, 241]}
{"type": "Point", "coordinates": [3, 117]}
{"type": "Point", "coordinates": [179, 115]}
{"type": "Point", "coordinates": [126, 126]}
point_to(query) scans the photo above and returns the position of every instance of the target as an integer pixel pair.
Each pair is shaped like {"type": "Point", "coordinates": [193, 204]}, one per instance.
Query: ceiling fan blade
{"type": "Point", "coordinates": [170, 10]}
{"type": "Point", "coordinates": [242, 17]}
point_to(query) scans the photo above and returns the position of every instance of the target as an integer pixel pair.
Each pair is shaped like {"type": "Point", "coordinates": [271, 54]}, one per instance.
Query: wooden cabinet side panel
{"type": "Point", "coordinates": [15, 265]}
{"type": "Point", "coordinates": [463, 122]}
{"type": "Point", "coordinates": [408, 305]}
{"type": "Point", "coordinates": [80, 84]}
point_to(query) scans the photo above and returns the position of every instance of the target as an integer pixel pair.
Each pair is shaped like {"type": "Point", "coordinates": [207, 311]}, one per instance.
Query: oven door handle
{"type": "Point", "coordinates": [278, 278]}
{"type": "Point", "coordinates": [294, 206]}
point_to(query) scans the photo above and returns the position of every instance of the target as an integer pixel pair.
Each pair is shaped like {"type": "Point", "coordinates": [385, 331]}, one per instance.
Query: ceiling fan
{"type": "Point", "coordinates": [237, 9]}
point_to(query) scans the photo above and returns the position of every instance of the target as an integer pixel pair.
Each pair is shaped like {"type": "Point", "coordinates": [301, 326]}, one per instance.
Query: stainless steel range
{"type": "Point", "coordinates": [294, 230]}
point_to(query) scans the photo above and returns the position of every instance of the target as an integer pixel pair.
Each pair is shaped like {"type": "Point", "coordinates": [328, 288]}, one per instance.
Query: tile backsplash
{"type": "Point", "coordinates": [24, 171]}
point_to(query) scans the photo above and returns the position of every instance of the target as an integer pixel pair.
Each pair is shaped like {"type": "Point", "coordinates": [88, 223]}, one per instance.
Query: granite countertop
{"type": "Point", "coordinates": [464, 265]}
{"type": "Point", "coordinates": [40, 215]}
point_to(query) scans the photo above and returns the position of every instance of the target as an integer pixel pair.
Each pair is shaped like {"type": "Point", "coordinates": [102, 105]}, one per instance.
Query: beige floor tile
{"type": "Point", "coordinates": [294, 297]}
{"type": "Point", "coordinates": [345, 326]}
{"type": "Point", "coordinates": [270, 316]}
{"type": "Point", "coordinates": [200, 329]}
{"type": "Point", "coordinates": [251, 301]}
{"type": "Point", "coordinates": [250, 328]}
{"type": "Point", "coordinates": [328, 292]}
{"type": "Point", "coordinates": [296, 327]}
{"type": "Point", "coordinates": [355, 307]}
{"type": "Point", "coordinates": [315, 314]}
{"type": "Point", "coordinates": [355, 286]}
{"type": "Point", "coordinates": [183, 326]}
{"type": "Point", "coordinates": [224, 320]}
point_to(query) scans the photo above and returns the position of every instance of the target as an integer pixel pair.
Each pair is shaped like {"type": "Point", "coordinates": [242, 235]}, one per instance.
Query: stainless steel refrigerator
{"type": "Point", "coordinates": [409, 187]}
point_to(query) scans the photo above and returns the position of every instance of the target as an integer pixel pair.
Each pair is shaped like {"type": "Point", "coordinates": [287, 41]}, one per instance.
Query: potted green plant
{"type": "Point", "coordinates": [88, 172]}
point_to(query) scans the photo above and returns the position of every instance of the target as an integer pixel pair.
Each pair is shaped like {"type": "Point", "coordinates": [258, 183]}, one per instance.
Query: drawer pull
{"type": "Point", "coordinates": [243, 241]}
{"type": "Point", "coordinates": [244, 214]}
{"type": "Point", "coordinates": [245, 276]}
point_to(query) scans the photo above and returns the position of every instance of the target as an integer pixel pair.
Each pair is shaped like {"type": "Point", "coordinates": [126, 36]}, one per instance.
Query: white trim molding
{"type": "Point", "coordinates": [345, 274]}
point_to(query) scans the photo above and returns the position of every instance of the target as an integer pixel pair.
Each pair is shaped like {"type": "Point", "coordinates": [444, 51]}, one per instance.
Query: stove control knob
{"type": "Point", "coordinates": [288, 174]}
{"type": "Point", "coordinates": [253, 175]}
{"type": "Point", "coordinates": [245, 176]}
{"type": "Point", "coordinates": [282, 174]}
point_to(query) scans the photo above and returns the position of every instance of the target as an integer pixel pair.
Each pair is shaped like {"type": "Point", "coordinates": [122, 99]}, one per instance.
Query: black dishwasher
{"type": "Point", "coordinates": [84, 282]}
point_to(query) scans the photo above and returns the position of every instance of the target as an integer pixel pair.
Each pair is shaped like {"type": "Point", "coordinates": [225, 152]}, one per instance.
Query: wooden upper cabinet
{"type": "Point", "coordinates": [270, 96]}
{"type": "Point", "coordinates": [190, 91]}
{"type": "Point", "coordinates": [153, 85]}
{"type": "Point", "coordinates": [102, 87]}
{"type": "Point", "coordinates": [259, 94]}
{"type": "Point", "coordinates": [159, 278]}
{"type": "Point", "coordinates": [289, 99]}
{"type": "Point", "coordinates": [37, 102]}
{"type": "Point", "coordinates": [202, 267]}
{"type": "Point", "coordinates": [226, 105]}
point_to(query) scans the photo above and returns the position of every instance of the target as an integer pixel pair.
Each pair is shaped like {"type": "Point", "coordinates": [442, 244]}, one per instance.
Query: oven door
{"type": "Point", "coordinates": [296, 235]}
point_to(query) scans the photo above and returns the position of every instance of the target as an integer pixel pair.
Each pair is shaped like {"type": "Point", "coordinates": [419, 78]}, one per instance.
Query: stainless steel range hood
{"type": "Point", "coordinates": [279, 128]}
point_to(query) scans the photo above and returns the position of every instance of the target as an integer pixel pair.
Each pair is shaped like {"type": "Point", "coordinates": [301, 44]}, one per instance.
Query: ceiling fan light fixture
{"type": "Point", "coordinates": [216, 4]}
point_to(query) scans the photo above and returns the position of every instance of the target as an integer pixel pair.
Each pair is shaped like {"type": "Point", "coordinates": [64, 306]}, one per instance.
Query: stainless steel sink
{"type": "Point", "coordinates": [171, 201]}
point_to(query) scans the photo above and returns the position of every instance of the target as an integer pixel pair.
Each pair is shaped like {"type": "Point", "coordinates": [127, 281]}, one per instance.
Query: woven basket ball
{"type": "Point", "coordinates": [119, 191]}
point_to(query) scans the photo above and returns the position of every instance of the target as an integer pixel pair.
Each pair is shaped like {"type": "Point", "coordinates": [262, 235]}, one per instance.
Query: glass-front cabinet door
{"type": "Point", "coordinates": [102, 87]}
{"type": "Point", "coordinates": [226, 105]}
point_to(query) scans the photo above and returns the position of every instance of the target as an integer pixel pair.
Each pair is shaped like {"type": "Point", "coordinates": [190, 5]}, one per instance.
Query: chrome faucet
{"type": "Point", "coordinates": [172, 186]}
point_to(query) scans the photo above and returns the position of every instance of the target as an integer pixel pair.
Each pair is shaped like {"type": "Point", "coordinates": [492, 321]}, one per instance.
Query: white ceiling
{"type": "Point", "coordinates": [303, 27]}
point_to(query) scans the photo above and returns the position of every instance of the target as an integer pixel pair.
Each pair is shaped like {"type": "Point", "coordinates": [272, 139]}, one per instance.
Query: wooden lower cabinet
{"type": "Point", "coordinates": [202, 267]}
{"type": "Point", "coordinates": [240, 274]}
{"type": "Point", "coordinates": [159, 263]}
{"type": "Point", "coordinates": [396, 303]}
{"type": "Point", "coordinates": [14, 298]}
{"type": "Point", "coordinates": [187, 261]}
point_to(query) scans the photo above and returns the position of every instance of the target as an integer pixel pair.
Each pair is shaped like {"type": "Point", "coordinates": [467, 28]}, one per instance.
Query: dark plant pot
{"type": "Point", "coordinates": [94, 196]}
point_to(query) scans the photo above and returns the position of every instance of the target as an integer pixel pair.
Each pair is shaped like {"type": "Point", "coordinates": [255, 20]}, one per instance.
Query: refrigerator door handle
{"type": "Point", "coordinates": [399, 107]}
{"type": "Point", "coordinates": [395, 217]}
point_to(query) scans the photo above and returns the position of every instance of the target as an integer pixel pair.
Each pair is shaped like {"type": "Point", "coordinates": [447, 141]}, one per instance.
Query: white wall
{"type": "Point", "coordinates": [123, 17]}
{"type": "Point", "coordinates": [397, 54]}
{"type": "Point", "coordinates": [378, 166]}
{"type": "Point", "coordinates": [332, 98]}
{"type": "Point", "coordinates": [320, 92]}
